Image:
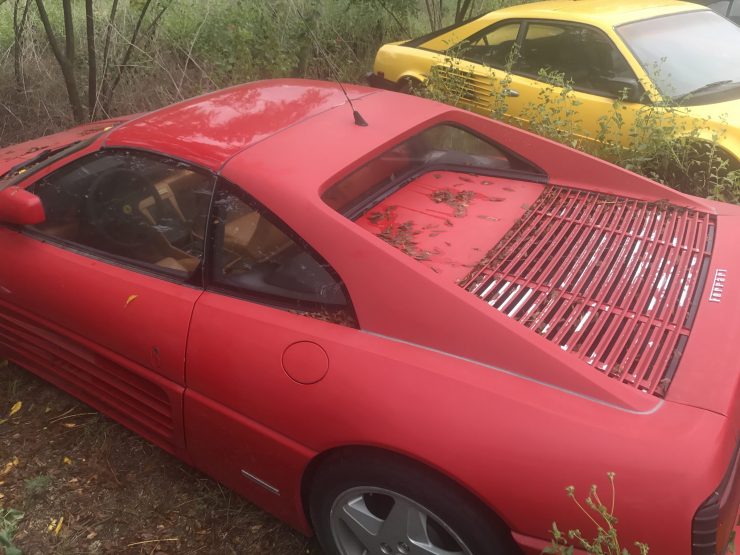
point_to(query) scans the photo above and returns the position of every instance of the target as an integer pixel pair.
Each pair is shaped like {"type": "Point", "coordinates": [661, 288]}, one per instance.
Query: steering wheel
{"type": "Point", "coordinates": [113, 207]}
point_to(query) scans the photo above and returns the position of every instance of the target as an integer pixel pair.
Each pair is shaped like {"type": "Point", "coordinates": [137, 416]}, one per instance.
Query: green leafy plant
{"type": "Point", "coordinates": [606, 541]}
{"type": "Point", "coordinates": [9, 519]}
{"type": "Point", "coordinates": [38, 484]}
{"type": "Point", "coordinates": [555, 114]}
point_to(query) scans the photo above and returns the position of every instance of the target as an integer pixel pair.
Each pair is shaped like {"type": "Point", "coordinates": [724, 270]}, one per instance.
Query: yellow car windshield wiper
{"type": "Point", "coordinates": [707, 87]}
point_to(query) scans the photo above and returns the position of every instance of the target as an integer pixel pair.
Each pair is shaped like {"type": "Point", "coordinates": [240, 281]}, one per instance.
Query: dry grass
{"type": "Point", "coordinates": [116, 492]}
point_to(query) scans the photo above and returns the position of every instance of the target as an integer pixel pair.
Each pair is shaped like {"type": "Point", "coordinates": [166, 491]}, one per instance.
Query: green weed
{"type": "Point", "coordinates": [37, 485]}
{"type": "Point", "coordinates": [9, 519]}
{"type": "Point", "coordinates": [606, 541]}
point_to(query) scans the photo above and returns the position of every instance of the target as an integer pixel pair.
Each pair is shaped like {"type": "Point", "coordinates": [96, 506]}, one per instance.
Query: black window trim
{"type": "Point", "coordinates": [357, 209]}
{"type": "Point", "coordinates": [291, 305]}
{"type": "Point", "coordinates": [195, 279]}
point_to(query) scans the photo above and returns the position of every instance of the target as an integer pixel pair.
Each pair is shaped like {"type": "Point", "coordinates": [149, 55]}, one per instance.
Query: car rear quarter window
{"type": "Point", "coordinates": [136, 208]}
{"type": "Point", "coordinates": [440, 147]}
{"type": "Point", "coordinates": [258, 257]}
{"type": "Point", "coordinates": [491, 47]}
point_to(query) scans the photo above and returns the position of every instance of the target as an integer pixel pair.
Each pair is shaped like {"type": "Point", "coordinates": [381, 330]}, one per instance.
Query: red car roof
{"type": "Point", "coordinates": [210, 129]}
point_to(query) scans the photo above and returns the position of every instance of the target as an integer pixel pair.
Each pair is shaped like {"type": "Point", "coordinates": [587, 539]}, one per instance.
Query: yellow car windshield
{"type": "Point", "coordinates": [692, 57]}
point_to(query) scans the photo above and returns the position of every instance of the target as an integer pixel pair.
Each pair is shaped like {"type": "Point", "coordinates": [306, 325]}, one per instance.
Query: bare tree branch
{"type": "Point", "coordinates": [395, 17]}
{"type": "Point", "coordinates": [126, 56]}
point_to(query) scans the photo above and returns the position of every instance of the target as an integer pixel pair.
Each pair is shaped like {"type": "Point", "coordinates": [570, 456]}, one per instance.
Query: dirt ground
{"type": "Point", "coordinates": [112, 492]}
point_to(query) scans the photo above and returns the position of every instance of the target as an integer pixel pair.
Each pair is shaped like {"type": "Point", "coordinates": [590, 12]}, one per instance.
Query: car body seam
{"type": "Point", "coordinates": [651, 411]}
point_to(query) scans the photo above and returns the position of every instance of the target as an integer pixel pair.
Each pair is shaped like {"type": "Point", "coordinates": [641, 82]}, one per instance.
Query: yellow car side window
{"type": "Point", "coordinates": [582, 55]}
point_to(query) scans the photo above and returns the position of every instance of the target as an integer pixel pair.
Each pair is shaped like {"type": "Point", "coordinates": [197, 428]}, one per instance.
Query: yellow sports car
{"type": "Point", "coordinates": [647, 52]}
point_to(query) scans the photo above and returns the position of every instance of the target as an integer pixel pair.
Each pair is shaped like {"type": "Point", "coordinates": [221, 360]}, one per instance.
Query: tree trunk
{"type": "Point", "coordinates": [18, 30]}
{"type": "Point", "coordinates": [104, 77]}
{"type": "Point", "coordinates": [92, 70]}
{"type": "Point", "coordinates": [66, 58]}
{"type": "Point", "coordinates": [463, 10]}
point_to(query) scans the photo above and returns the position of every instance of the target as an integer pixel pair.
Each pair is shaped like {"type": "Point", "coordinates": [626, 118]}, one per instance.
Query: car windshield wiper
{"type": "Point", "coordinates": [707, 87]}
{"type": "Point", "coordinates": [39, 157]}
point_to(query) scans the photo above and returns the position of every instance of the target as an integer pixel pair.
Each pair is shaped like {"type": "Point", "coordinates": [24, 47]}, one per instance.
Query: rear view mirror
{"type": "Point", "coordinates": [18, 206]}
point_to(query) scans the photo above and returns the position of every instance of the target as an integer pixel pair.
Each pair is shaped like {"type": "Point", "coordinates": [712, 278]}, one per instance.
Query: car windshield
{"type": "Point", "coordinates": [691, 57]}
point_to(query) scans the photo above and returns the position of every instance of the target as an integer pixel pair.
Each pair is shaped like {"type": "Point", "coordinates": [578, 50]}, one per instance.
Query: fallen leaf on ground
{"type": "Point", "coordinates": [10, 465]}
{"type": "Point", "coordinates": [15, 408]}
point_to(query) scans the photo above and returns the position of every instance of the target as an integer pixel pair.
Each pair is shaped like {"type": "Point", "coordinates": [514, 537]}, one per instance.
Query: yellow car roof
{"type": "Point", "coordinates": [600, 13]}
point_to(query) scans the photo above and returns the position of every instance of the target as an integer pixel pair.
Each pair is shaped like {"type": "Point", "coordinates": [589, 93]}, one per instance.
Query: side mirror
{"type": "Point", "coordinates": [623, 87]}
{"type": "Point", "coordinates": [18, 206]}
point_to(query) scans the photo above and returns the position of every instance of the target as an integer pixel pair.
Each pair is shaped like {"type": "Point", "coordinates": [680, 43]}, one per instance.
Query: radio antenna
{"type": "Point", "coordinates": [359, 120]}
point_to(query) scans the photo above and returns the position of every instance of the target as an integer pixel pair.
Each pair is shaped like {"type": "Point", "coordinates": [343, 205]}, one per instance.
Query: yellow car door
{"type": "Point", "coordinates": [553, 52]}
{"type": "Point", "coordinates": [498, 70]}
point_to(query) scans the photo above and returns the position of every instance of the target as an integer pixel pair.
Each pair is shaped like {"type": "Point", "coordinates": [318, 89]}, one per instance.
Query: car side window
{"type": "Point", "coordinates": [583, 55]}
{"type": "Point", "coordinates": [137, 208]}
{"type": "Point", "coordinates": [256, 256]}
{"type": "Point", "coordinates": [492, 46]}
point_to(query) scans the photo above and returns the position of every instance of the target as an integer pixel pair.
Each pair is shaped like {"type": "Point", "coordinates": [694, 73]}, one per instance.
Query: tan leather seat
{"type": "Point", "coordinates": [239, 232]}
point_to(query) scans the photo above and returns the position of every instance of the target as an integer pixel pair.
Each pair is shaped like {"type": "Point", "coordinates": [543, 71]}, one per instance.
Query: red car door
{"type": "Point", "coordinates": [274, 318]}
{"type": "Point", "coordinates": [98, 298]}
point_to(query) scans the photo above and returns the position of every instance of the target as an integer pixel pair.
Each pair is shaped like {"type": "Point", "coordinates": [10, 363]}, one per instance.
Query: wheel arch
{"type": "Point", "coordinates": [412, 76]}
{"type": "Point", "coordinates": [724, 145]}
{"type": "Point", "coordinates": [369, 452]}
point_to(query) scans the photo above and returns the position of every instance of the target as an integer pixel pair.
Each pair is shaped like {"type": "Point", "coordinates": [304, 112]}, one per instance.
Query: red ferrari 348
{"type": "Point", "coordinates": [406, 337]}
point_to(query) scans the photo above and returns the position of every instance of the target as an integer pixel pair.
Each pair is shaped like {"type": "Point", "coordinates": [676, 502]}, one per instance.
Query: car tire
{"type": "Point", "coordinates": [388, 505]}
{"type": "Point", "coordinates": [410, 85]}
